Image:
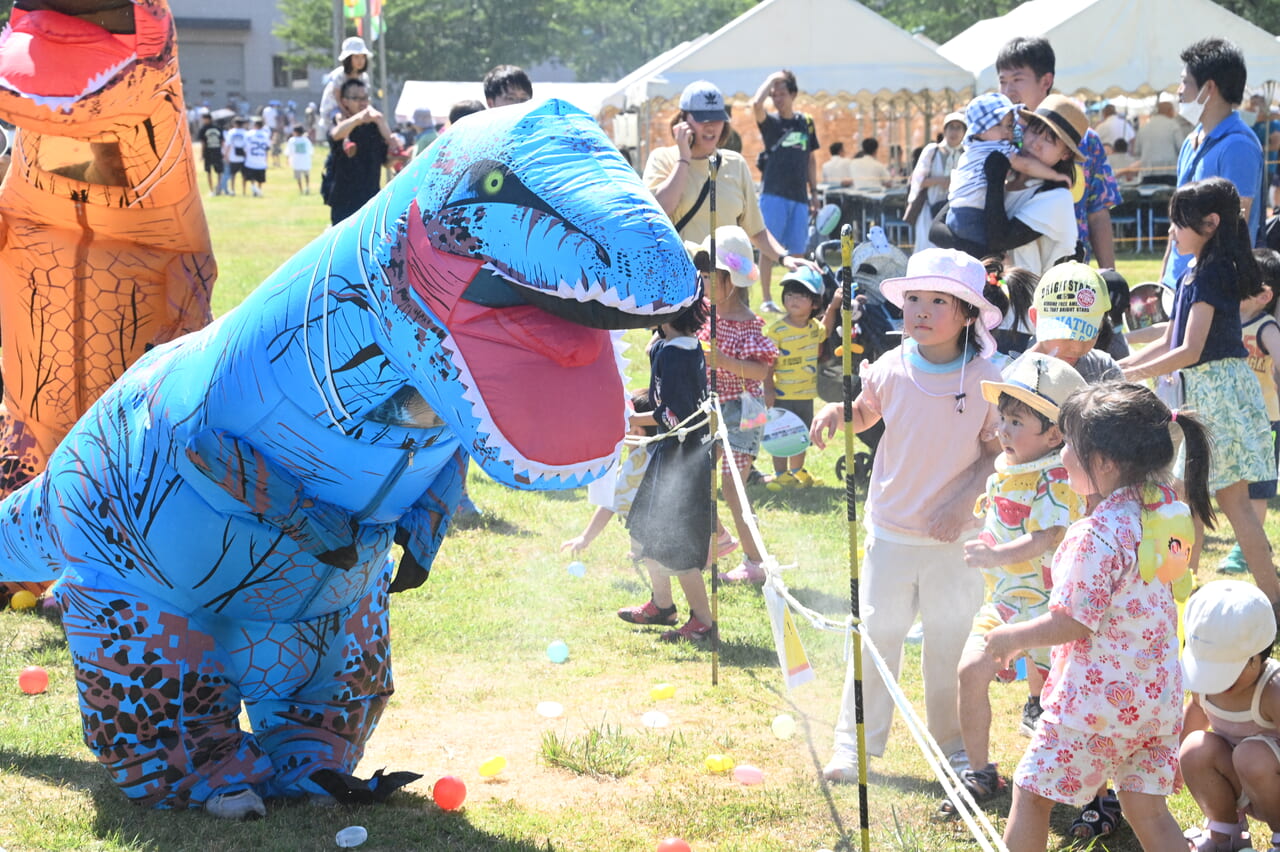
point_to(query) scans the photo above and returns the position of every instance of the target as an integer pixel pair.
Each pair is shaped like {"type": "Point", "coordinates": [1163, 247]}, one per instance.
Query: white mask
{"type": "Point", "coordinates": [1248, 116]}
{"type": "Point", "coordinates": [1192, 111]}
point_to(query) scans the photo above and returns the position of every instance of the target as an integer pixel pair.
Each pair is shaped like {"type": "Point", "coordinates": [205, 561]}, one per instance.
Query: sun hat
{"type": "Point", "coordinates": [1040, 381]}
{"type": "Point", "coordinates": [353, 46]}
{"type": "Point", "coordinates": [702, 100]}
{"type": "Point", "coordinates": [986, 111]}
{"type": "Point", "coordinates": [1226, 623]}
{"type": "Point", "coordinates": [1070, 302]}
{"type": "Point", "coordinates": [954, 273]}
{"type": "Point", "coordinates": [808, 278]}
{"type": "Point", "coordinates": [1065, 118]}
{"type": "Point", "coordinates": [955, 116]}
{"type": "Point", "coordinates": [733, 254]}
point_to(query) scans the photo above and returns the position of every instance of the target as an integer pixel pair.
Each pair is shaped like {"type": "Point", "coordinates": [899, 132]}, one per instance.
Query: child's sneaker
{"type": "Point", "coordinates": [803, 478]}
{"type": "Point", "coordinates": [242, 804]}
{"type": "Point", "coordinates": [750, 571]}
{"type": "Point", "coordinates": [649, 613]}
{"type": "Point", "coordinates": [842, 768]}
{"type": "Point", "coordinates": [692, 631]}
{"type": "Point", "coordinates": [1030, 715]}
{"type": "Point", "coordinates": [783, 481]}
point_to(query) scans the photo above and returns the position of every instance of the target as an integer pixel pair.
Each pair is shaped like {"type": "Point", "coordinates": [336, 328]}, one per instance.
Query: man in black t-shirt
{"type": "Point", "coordinates": [790, 173]}
{"type": "Point", "coordinates": [211, 138]}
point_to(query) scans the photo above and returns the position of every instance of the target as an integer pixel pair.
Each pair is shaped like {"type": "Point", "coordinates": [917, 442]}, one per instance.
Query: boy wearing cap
{"type": "Point", "coordinates": [1027, 507]}
{"type": "Point", "coordinates": [792, 384]}
{"type": "Point", "coordinates": [1230, 753]}
{"type": "Point", "coordinates": [990, 120]}
{"type": "Point", "coordinates": [1069, 309]}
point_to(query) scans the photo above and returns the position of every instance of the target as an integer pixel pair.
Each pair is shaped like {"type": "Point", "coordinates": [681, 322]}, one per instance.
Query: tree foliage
{"type": "Point", "coordinates": [597, 39]}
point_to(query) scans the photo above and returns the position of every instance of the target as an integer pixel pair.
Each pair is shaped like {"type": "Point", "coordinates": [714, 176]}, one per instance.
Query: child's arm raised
{"type": "Point", "coordinates": [1031, 167]}
{"type": "Point", "coordinates": [979, 554]}
{"type": "Point", "coordinates": [1055, 627]}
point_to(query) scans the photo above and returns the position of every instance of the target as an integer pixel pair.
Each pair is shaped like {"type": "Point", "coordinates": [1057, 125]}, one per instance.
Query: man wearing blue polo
{"type": "Point", "coordinates": [1222, 144]}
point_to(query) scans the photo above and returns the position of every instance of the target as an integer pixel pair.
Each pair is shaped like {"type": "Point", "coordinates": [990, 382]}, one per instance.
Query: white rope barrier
{"type": "Point", "coordinates": [975, 819]}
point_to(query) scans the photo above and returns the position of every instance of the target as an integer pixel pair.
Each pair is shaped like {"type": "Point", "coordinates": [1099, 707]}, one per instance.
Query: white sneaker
{"type": "Point", "coordinates": [842, 768]}
{"type": "Point", "coordinates": [959, 760]}
{"type": "Point", "coordinates": [241, 804]}
{"type": "Point", "coordinates": [771, 307]}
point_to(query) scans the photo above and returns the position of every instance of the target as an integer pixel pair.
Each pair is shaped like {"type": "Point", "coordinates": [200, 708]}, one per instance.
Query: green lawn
{"type": "Point", "coordinates": [471, 665]}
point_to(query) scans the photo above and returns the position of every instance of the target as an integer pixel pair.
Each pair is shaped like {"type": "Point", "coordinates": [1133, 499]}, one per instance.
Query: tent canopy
{"type": "Point", "coordinates": [1113, 47]}
{"type": "Point", "coordinates": [439, 96]}
{"type": "Point", "coordinates": [835, 47]}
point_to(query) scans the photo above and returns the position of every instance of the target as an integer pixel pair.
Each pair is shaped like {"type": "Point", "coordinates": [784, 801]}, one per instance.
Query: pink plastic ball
{"type": "Point", "coordinates": [673, 844]}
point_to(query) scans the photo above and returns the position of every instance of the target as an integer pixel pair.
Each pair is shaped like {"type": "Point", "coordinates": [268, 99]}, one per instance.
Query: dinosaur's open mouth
{"type": "Point", "coordinates": [548, 387]}
{"type": "Point", "coordinates": [51, 56]}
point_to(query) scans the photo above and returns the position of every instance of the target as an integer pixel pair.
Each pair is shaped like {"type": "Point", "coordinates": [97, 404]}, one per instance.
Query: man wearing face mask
{"type": "Point", "coordinates": [1221, 143]}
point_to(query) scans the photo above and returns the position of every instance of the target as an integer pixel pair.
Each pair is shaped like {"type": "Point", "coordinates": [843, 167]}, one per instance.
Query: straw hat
{"type": "Point", "coordinates": [1064, 117]}
{"type": "Point", "coordinates": [1040, 381]}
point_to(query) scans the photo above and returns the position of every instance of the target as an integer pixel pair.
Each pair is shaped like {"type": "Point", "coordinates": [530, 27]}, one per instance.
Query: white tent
{"type": "Point", "coordinates": [835, 47]}
{"type": "Point", "coordinates": [439, 96]}
{"type": "Point", "coordinates": [1112, 47]}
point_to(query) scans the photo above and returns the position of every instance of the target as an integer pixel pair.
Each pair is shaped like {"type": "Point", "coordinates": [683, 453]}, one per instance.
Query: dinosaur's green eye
{"type": "Point", "coordinates": [492, 182]}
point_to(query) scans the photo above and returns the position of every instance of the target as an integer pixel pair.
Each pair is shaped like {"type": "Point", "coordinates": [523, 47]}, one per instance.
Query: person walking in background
{"type": "Point", "coordinates": [931, 177]}
{"type": "Point", "coordinates": [301, 152]}
{"type": "Point", "coordinates": [789, 172]}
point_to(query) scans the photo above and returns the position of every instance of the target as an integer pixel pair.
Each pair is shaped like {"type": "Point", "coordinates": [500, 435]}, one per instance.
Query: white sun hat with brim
{"type": "Point", "coordinates": [955, 273]}
{"type": "Point", "coordinates": [352, 47]}
{"type": "Point", "coordinates": [733, 254]}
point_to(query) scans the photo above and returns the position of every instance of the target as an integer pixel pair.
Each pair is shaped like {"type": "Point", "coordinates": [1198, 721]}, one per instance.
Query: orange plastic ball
{"type": "Point", "coordinates": [673, 844]}
{"type": "Point", "coordinates": [449, 793]}
{"type": "Point", "coordinates": [33, 680]}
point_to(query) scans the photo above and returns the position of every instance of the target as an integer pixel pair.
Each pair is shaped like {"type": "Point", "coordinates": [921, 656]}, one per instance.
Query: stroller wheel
{"type": "Point", "coordinates": [840, 469]}
{"type": "Point", "coordinates": [861, 473]}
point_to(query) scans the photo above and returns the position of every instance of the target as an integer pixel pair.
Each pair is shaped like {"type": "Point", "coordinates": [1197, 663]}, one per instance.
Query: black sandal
{"type": "Point", "coordinates": [982, 784]}
{"type": "Point", "coordinates": [1099, 818]}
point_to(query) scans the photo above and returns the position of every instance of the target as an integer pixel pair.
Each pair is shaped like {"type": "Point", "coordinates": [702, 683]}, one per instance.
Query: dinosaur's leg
{"type": "Point", "coordinates": [326, 722]}
{"type": "Point", "coordinates": [157, 703]}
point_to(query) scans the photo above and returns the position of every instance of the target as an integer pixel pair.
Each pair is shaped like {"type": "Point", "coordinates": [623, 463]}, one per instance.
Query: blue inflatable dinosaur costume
{"type": "Point", "coordinates": [221, 521]}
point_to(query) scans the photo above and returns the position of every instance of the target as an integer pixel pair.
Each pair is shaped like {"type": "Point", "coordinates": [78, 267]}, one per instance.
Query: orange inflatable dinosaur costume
{"type": "Point", "coordinates": [104, 248]}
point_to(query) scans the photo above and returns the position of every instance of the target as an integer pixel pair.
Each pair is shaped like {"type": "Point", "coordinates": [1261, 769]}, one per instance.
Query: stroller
{"type": "Point", "coordinates": [877, 330]}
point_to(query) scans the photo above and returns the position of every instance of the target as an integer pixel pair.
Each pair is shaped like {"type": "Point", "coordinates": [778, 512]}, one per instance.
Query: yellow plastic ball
{"type": "Point", "coordinates": [22, 599]}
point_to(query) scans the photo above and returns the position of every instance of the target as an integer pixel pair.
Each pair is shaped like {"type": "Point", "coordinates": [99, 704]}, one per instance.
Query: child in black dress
{"type": "Point", "coordinates": [670, 518]}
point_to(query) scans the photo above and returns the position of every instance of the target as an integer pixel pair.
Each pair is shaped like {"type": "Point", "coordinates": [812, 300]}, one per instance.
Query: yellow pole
{"type": "Point", "coordinates": [713, 166]}
{"type": "Point", "coordinates": [851, 513]}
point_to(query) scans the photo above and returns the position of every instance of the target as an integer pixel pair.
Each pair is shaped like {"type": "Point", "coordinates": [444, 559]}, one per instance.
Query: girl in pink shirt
{"type": "Point", "coordinates": [938, 449]}
{"type": "Point", "coordinates": [1113, 698]}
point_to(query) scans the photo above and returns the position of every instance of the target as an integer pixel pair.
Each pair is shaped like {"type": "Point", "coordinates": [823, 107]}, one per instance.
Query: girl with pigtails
{"type": "Point", "coordinates": [1203, 341]}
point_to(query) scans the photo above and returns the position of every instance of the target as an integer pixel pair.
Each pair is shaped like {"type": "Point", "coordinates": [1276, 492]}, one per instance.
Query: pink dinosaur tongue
{"type": "Point", "coordinates": [48, 54]}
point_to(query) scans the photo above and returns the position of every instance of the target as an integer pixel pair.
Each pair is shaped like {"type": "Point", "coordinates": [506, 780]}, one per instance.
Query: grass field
{"type": "Point", "coordinates": [471, 666]}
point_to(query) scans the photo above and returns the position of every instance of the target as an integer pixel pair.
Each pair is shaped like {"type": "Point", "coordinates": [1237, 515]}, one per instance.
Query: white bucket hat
{"type": "Point", "coordinates": [353, 46]}
{"type": "Point", "coordinates": [956, 274]}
